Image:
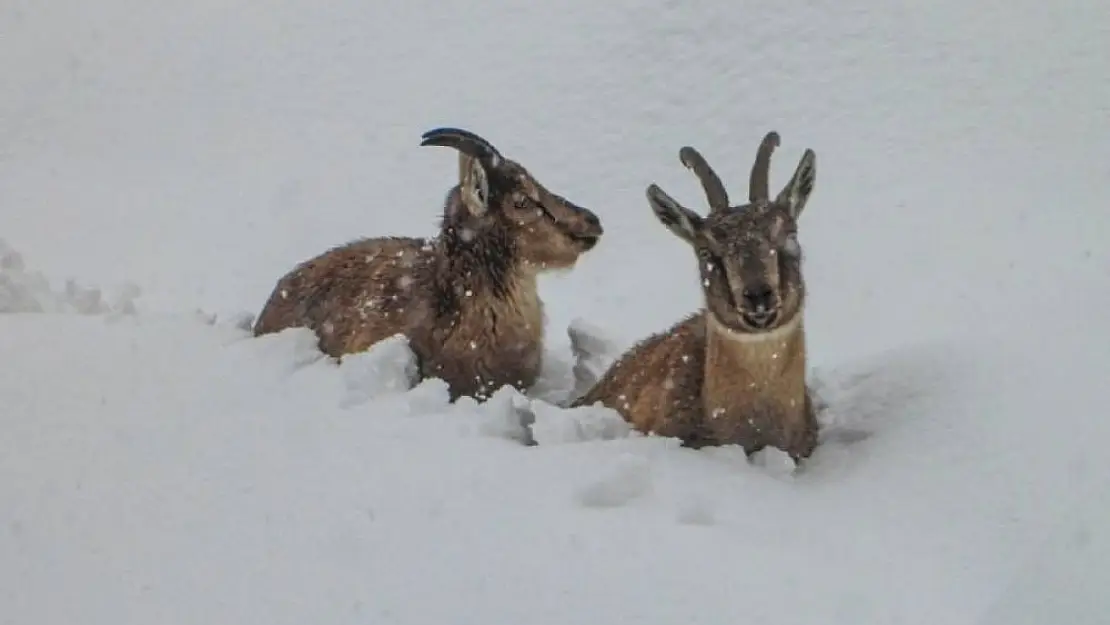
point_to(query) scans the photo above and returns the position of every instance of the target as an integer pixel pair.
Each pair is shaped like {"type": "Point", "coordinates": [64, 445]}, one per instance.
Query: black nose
{"type": "Point", "coordinates": [592, 222]}
{"type": "Point", "coordinates": [759, 298]}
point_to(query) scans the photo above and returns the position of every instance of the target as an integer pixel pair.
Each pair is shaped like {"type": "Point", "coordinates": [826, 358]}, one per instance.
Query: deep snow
{"type": "Point", "coordinates": [158, 465]}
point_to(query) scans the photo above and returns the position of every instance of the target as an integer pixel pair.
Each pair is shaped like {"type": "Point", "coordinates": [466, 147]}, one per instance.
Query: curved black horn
{"type": "Point", "coordinates": [464, 141]}
{"type": "Point", "coordinates": [758, 184]}
{"type": "Point", "coordinates": [714, 189]}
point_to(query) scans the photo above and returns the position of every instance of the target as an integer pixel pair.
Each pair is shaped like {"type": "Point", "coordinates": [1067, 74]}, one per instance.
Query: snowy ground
{"type": "Point", "coordinates": [161, 164]}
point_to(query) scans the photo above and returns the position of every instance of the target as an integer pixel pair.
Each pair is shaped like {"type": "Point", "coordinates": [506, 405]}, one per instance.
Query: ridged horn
{"type": "Point", "coordinates": [464, 141]}
{"type": "Point", "coordinates": [758, 184]}
{"type": "Point", "coordinates": [714, 189]}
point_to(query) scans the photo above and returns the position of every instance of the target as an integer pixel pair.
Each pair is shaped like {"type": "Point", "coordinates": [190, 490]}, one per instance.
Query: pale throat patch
{"type": "Point", "coordinates": [779, 334]}
{"type": "Point", "coordinates": [524, 299]}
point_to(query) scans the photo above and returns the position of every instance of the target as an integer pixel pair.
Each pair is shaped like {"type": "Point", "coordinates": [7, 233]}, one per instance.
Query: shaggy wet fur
{"type": "Point", "coordinates": [466, 300]}
{"type": "Point", "coordinates": [734, 372]}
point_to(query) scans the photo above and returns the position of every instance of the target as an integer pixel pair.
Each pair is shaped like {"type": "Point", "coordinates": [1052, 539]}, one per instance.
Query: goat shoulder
{"type": "Point", "coordinates": [656, 384]}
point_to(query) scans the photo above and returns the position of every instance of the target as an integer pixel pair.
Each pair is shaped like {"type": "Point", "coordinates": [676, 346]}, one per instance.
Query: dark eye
{"type": "Point", "coordinates": [709, 260]}
{"type": "Point", "coordinates": [521, 202]}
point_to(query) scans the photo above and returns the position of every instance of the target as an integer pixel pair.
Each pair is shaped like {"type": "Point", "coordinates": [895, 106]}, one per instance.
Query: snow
{"type": "Point", "coordinates": [161, 165]}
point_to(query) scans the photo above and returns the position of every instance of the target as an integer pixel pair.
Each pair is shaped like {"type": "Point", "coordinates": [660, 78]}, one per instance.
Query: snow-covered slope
{"type": "Point", "coordinates": [158, 465]}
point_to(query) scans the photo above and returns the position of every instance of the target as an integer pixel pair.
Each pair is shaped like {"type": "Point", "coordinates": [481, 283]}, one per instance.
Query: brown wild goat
{"type": "Point", "coordinates": [735, 371]}
{"type": "Point", "coordinates": [467, 299]}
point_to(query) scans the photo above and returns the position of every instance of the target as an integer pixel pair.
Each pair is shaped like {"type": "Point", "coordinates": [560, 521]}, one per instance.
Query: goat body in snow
{"type": "Point", "coordinates": [734, 372]}
{"type": "Point", "coordinates": [467, 300]}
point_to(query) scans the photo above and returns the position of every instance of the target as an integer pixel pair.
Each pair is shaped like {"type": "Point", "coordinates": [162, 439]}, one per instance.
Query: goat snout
{"type": "Point", "coordinates": [759, 306]}
{"type": "Point", "coordinates": [759, 298]}
{"type": "Point", "coordinates": [584, 227]}
{"type": "Point", "coordinates": [591, 224]}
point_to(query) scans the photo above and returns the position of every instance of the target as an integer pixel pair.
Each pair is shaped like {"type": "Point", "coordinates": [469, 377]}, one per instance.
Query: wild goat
{"type": "Point", "coordinates": [735, 371]}
{"type": "Point", "coordinates": [467, 299]}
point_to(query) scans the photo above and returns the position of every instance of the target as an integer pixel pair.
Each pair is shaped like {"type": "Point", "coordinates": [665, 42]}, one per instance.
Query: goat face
{"type": "Point", "coordinates": [749, 257]}
{"type": "Point", "coordinates": [499, 200]}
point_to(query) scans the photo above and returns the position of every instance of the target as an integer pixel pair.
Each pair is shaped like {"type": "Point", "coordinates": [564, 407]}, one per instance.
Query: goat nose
{"type": "Point", "coordinates": [759, 297]}
{"type": "Point", "coordinates": [592, 222]}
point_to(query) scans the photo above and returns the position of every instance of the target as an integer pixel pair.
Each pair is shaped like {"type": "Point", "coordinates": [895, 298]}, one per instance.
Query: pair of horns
{"type": "Point", "coordinates": [758, 184]}
{"type": "Point", "coordinates": [464, 141]}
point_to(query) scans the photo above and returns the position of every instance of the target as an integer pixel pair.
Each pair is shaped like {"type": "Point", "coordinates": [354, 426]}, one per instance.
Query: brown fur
{"type": "Point", "coordinates": [734, 372]}
{"type": "Point", "coordinates": [466, 300]}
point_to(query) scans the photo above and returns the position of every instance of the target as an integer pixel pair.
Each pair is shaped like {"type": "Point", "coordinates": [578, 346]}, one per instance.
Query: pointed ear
{"type": "Point", "coordinates": [797, 191]}
{"type": "Point", "coordinates": [473, 184]}
{"type": "Point", "coordinates": [677, 218]}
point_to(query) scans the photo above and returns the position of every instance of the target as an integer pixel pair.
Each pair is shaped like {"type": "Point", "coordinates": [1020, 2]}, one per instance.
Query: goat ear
{"type": "Point", "coordinates": [797, 191]}
{"type": "Point", "coordinates": [677, 218]}
{"type": "Point", "coordinates": [473, 185]}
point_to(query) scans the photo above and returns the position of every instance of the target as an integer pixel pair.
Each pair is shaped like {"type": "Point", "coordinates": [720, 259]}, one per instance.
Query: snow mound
{"type": "Point", "coordinates": [552, 425]}
{"type": "Point", "coordinates": [26, 291]}
{"type": "Point", "coordinates": [388, 367]}
{"type": "Point", "coordinates": [593, 354]}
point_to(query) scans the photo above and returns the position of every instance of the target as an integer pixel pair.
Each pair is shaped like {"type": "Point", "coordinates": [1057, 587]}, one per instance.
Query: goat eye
{"type": "Point", "coordinates": [708, 260]}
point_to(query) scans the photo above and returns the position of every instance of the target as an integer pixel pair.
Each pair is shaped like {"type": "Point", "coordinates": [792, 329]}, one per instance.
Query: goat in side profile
{"type": "Point", "coordinates": [735, 371]}
{"type": "Point", "coordinates": [466, 300]}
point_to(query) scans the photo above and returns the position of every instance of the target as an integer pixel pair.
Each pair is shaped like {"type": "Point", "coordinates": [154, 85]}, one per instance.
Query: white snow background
{"type": "Point", "coordinates": [162, 164]}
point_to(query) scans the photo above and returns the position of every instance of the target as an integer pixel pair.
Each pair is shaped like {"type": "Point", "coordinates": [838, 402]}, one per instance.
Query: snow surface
{"type": "Point", "coordinates": [161, 164]}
